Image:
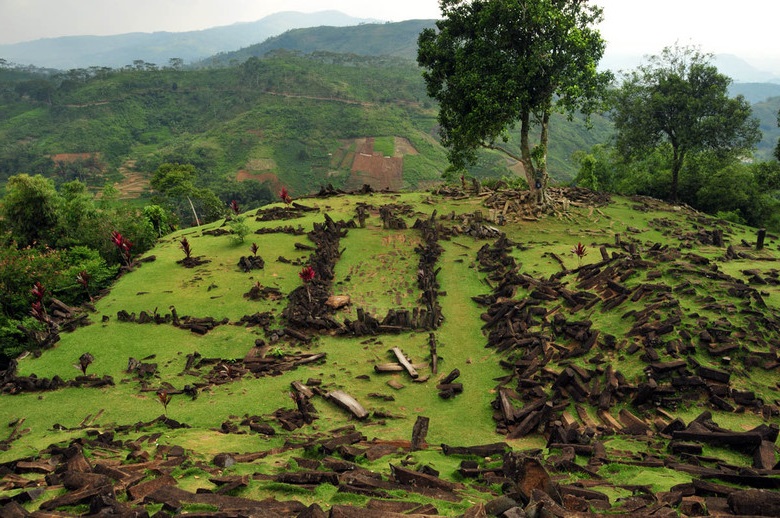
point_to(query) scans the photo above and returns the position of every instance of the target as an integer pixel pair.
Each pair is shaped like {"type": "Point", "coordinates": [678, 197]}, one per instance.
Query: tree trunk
{"type": "Point", "coordinates": [677, 162]}
{"type": "Point", "coordinates": [525, 151]}
{"type": "Point", "coordinates": [541, 195]}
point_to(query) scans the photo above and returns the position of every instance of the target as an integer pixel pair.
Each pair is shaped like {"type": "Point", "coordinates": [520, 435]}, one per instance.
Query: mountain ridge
{"type": "Point", "coordinates": [67, 52]}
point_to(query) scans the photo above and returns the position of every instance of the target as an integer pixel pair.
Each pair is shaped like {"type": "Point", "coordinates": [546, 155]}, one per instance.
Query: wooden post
{"type": "Point", "coordinates": [760, 239]}
{"type": "Point", "coordinates": [604, 253]}
{"type": "Point", "coordinates": [434, 355]}
{"type": "Point", "coordinates": [419, 432]}
{"type": "Point", "coordinates": [717, 237]}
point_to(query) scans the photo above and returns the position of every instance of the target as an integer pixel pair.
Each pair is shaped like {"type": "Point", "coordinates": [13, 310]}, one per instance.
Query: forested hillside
{"type": "Point", "coordinates": [286, 119]}
{"type": "Point", "coordinates": [386, 39]}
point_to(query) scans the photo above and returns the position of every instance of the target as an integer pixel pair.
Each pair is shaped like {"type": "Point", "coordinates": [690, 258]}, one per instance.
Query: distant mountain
{"type": "Point", "coordinates": [743, 72]}
{"type": "Point", "coordinates": [397, 39]}
{"type": "Point", "coordinates": [738, 69]}
{"type": "Point", "coordinates": [70, 52]}
{"type": "Point", "coordinates": [755, 92]}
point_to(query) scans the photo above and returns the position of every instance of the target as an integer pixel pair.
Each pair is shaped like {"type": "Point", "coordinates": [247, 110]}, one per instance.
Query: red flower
{"type": "Point", "coordinates": [307, 274]}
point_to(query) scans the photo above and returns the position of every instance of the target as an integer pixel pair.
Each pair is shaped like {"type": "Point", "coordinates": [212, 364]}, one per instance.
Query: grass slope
{"type": "Point", "coordinates": [378, 269]}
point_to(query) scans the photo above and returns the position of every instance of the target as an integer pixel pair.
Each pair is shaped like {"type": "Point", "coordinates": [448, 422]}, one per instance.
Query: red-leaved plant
{"type": "Point", "coordinates": [234, 207]}
{"type": "Point", "coordinates": [123, 245]}
{"type": "Point", "coordinates": [184, 244]}
{"type": "Point", "coordinates": [83, 278]}
{"type": "Point", "coordinates": [254, 248]}
{"type": "Point", "coordinates": [285, 196]}
{"type": "Point", "coordinates": [165, 397]}
{"type": "Point", "coordinates": [580, 251]}
{"type": "Point", "coordinates": [37, 309]}
{"type": "Point", "coordinates": [307, 275]}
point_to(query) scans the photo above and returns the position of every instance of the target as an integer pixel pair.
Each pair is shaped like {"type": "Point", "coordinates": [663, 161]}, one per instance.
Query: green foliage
{"type": "Point", "coordinates": [384, 145]}
{"type": "Point", "coordinates": [680, 99]}
{"type": "Point", "coordinates": [175, 183]}
{"type": "Point", "coordinates": [30, 209]}
{"type": "Point", "coordinates": [297, 110]}
{"type": "Point", "coordinates": [238, 229]}
{"type": "Point", "coordinates": [56, 270]}
{"type": "Point", "coordinates": [79, 259]}
{"type": "Point", "coordinates": [494, 64]}
{"type": "Point", "coordinates": [159, 218]}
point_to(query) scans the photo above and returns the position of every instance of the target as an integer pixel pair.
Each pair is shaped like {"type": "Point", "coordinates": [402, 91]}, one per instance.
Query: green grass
{"type": "Point", "coordinates": [377, 269]}
{"type": "Point", "coordinates": [384, 145]}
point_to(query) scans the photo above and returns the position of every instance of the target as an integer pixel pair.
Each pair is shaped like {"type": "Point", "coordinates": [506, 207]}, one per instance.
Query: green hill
{"type": "Point", "coordinates": [397, 39]}
{"type": "Point", "coordinates": [298, 121]}
{"type": "Point", "coordinates": [638, 373]}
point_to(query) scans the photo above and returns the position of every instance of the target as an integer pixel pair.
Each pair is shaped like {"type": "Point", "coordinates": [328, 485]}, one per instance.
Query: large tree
{"type": "Point", "coordinates": [30, 210]}
{"type": "Point", "coordinates": [680, 102]}
{"type": "Point", "coordinates": [495, 63]}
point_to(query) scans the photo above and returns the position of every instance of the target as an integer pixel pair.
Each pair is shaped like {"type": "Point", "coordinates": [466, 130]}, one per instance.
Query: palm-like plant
{"type": "Point", "coordinates": [580, 251]}
{"type": "Point", "coordinates": [123, 245]}
{"type": "Point", "coordinates": [184, 244]}
{"type": "Point", "coordinates": [37, 309]}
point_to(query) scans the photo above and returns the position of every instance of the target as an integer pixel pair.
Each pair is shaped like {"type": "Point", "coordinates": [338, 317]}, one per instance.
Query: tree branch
{"type": "Point", "coordinates": [503, 150]}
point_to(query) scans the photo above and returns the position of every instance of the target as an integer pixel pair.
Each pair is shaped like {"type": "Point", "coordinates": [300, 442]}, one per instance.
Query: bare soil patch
{"type": "Point", "coordinates": [374, 169]}
{"type": "Point", "coordinates": [69, 158]}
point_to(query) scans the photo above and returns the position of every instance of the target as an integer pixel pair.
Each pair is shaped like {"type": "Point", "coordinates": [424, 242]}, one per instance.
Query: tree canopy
{"type": "Point", "coordinates": [496, 63]}
{"type": "Point", "coordinates": [30, 209]}
{"type": "Point", "coordinates": [679, 101]}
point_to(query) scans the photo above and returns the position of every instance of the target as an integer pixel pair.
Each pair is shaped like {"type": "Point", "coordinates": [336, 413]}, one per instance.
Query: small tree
{"type": "Point", "coordinates": [497, 63]}
{"type": "Point", "coordinates": [679, 101]}
{"type": "Point", "coordinates": [239, 228]}
{"type": "Point", "coordinates": [31, 209]}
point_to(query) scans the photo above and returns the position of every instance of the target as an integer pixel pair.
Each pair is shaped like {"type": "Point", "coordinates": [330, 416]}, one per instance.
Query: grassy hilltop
{"type": "Point", "coordinates": [658, 320]}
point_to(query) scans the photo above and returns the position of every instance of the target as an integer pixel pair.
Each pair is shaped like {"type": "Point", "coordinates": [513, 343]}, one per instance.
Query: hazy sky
{"type": "Point", "coordinates": [744, 27]}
